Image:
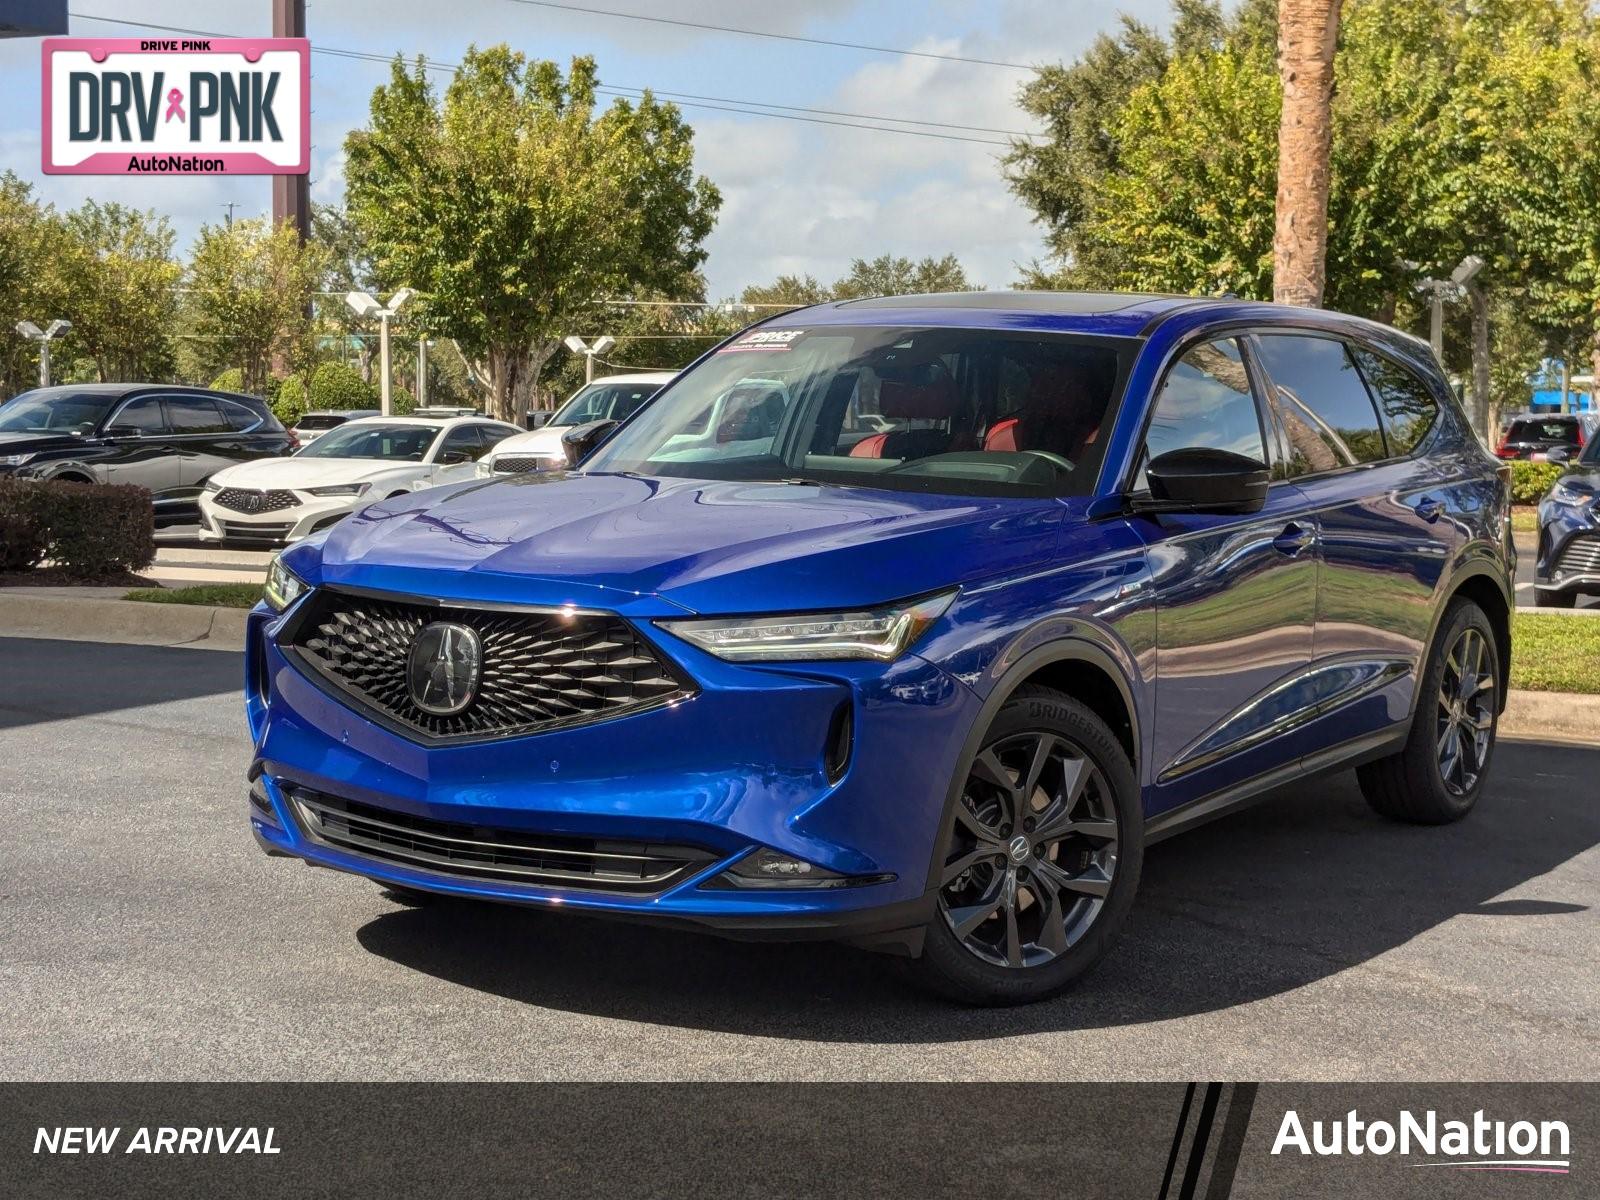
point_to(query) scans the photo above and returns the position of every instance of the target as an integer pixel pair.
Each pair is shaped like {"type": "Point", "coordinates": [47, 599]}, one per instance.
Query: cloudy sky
{"type": "Point", "coordinates": [798, 196]}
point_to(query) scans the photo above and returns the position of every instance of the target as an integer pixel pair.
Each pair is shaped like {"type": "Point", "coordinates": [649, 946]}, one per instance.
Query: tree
{"type": "Point", "coordinates": [887, 275]}
{"type": "Point", "coordinates": [250, 290]}
{"type": "Point", "coordinates": [512, 205]}
{"type": "Point", "coordinates": [116, 266]}
{"type": "Point", "coordinates": [348, 269]}
{"type": "Point", "coordinates": [1308, 31]}
{"type": "Point", "coordinates": [796, 291]}
{"type": "Point", "coordinates": [30, 239]}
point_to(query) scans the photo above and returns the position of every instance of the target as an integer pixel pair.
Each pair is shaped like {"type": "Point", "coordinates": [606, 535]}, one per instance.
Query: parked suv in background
{"type": "Point", "coordinates": [1537, 437]}
{"type": "Point", "coordinates": [1568, 565]}
{"type": "Point", "coordinates": [613, 398]}
{"type": "Point", "coordinates": [314, 424]}
{"type": "Point", "coordinates": [166, 438]}
{"type": "Point", "coordinates": [920, 649]}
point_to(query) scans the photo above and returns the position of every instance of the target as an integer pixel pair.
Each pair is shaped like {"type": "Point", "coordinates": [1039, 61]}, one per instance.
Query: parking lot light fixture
{"type": "Point", "coordinates": [365, 305]}
{"type": "Point", "coordinates": [589, 351]}
{"type": "Point", "coordinates": [44, 337]}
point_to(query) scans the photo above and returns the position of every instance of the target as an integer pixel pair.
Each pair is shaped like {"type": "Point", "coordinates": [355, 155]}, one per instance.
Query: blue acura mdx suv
{"type": "Point", "coordinates": [906, 621]}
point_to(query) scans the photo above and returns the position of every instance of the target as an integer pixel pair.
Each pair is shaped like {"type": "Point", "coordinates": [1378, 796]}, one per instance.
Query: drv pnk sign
{"type": "Point", "coordinates": [169, 106]}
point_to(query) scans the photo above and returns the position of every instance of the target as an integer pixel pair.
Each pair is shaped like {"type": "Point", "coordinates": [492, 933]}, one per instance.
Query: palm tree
{"type": "Point", "coordinates": [1307, 32]}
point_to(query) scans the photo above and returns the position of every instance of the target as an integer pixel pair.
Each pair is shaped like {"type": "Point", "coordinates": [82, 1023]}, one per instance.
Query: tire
{"type": "Point", "coordinates": [1548, 599]}
{"type": "Point", "coordinates": [1034, 944]}
{"type": "Point", "coordinates": [1423, 783]}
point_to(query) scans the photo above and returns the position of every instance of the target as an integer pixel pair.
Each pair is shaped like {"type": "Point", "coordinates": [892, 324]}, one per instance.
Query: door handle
{"type": "Point", "coordinates": [1430, 509]}
{"type": "Point", "coordinates": [1294, 538]}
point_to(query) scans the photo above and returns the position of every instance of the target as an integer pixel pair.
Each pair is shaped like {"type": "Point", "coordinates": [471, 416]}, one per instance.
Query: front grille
{"type": "Point", "coordinates": [481, 852]}
{"type": "Point", "coordinates": [240, 531]}
{"type": "Point", "coordinates": [247, 500]}
{"type": "Point", "coordinates": [539, 670]}
{"type": "Point", "coordinates": [521, 464]}
{"type": "Point", "coordinates": [1581, 555]}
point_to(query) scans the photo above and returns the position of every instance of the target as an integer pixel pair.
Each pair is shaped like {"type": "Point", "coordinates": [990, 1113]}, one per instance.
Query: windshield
{"type": "Point", "coordinates": [407, 443]}
{"type": "Point", "coordinates": [54, 411]}
{"type": "Point", "coordinates": [963, 411]}
{"type": "Point", "coordinates": [605, 402]}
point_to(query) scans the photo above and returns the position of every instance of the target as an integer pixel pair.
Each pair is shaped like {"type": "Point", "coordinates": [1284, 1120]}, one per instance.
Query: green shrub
{"type": "Point", "coordinates": [289, 405]}
{"type": "Point", "coordinates": [1531, 480]}
{"type": "Point", "coordinates": [334, 385]}
{"type": "Point", "coordinates": [22, 540]}
{"type": "Point", "coordinates": [89, 530]}
{"type": "Point", "coordinates": [231, 380]}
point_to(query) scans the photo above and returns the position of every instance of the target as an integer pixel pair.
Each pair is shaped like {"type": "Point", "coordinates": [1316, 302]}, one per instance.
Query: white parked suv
{"type": "Point", "coordinates": [613, 398]}
{"type": "Point", "coordinates": [280, 500]}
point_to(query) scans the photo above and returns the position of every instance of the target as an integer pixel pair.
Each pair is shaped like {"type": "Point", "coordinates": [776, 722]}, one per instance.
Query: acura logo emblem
{"type": "Point", "coordinates": [443, 668]}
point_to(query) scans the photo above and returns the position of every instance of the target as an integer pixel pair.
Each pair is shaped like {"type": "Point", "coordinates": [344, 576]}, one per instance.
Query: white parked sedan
{"type": "Point", "coordinates": [612, 398]}
{"type": "Point", "coordinates": [274, 501]}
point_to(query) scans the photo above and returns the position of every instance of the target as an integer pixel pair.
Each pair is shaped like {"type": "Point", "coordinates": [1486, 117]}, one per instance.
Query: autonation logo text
{"type": "Point", "coordinates": [1479, 1144]}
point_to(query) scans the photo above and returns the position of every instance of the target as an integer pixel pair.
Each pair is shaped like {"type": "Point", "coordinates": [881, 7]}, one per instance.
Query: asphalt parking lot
{"type": "Point", "coordinates": [143, 936]}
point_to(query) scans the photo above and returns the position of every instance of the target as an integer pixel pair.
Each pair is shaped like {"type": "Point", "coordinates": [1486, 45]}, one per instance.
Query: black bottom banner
{"type": "Point", "coordinates": [985, 1141]}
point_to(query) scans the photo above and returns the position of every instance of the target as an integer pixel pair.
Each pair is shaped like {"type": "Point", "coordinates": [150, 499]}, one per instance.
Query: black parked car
{"type": "Point", "coordinates": [1557, 436]}
{"type": "Point", "coordinates": [163, 437]}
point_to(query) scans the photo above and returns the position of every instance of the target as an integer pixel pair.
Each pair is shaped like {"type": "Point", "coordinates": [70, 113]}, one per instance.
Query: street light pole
{"type": "Point", "coordinates": [44, 337]}
{"type": "Point", "coordinates": [422, 372]}
{"type": "Point", "coordinates": [578, 346]}
{"type": "Point", "coordinates": [364, 305]}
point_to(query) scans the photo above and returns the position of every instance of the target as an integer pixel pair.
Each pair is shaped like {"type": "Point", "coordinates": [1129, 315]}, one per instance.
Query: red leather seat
{"type": "Point", "coordinates": [934, 400]}
{"type": "Point", "coordinates": [1056, 416]}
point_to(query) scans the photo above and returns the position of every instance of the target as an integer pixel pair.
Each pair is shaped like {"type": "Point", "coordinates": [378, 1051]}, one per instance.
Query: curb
{"type": "Point", "coordinates": [129, 622]}
{"type": "Point", "coordinates": [1551, 717]}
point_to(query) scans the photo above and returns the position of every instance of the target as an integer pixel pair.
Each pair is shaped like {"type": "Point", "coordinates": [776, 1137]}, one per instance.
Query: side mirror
{"type": "Point", "coordinates": [124, 431]}
{"type": "Point", "coordinates": [1205, 481]}
{"type": "Point", "coordinates": [449, 458]}
{"type": "Point", "coordinates": [1559, 454]}
{"type": "Point", "coordinates": [538, 420]}
{"type": "Point", "coordinates": [578, 443]}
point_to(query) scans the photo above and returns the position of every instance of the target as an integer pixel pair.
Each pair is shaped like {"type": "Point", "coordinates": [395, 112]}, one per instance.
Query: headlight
{"type": "Point", "coordinates": [1564, 493]}
{"type": "Point", "coordinates": [341, 489]}
{"type": "Point", "coordinates": [283, 585]}
{"type": "Point", "coordinates": [16, 460]}
{"type": "Point", "coordinates": [880, 634]}
{"type": "Point", "coordinates": [213, 486]}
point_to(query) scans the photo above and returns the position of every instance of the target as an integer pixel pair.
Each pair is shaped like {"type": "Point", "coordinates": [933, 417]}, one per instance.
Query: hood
{"type": "Point", "coordinates": [33, 443]}
{"type": "Point", "coordinates": [1582, 476]}
{"type": "Point", "coordinates": [546, 441]}
{"type": "Point", "coordinates": [299, 472]}
{"type": "Point", "coordinates": [713, 547]}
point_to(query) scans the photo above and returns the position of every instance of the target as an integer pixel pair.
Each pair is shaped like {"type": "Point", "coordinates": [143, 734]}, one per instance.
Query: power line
{"type": "Point", "coordinates": [685, 99]}
{"type": "Point", "coordinates": [767, 33]}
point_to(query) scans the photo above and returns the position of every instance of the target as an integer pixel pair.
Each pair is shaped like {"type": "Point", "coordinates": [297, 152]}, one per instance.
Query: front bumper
{"type": "Point", "coordinates": [281, 527]}
{"type": "Point", "coordinates": [1569, 548]}
{"type": "Point", "coordinates": [739, 766]}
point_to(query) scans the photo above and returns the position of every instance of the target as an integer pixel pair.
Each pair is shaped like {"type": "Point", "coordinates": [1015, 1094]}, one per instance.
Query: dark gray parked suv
{"type": "Point", "coordinates": [163, 437]}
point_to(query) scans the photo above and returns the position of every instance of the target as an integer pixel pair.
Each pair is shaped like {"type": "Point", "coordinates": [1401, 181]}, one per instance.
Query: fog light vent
{"type": "Point", "coordinates": [841, 741]}
{"type": "Point", "coordinates": [767, 868]}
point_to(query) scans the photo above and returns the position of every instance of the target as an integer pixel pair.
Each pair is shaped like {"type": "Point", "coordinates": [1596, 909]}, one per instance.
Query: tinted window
{"type": "Point", "coordinates": [1405, 402]}
{"type": "Point", "coordinates": [50, 410]}
{"type": "Point", "coordinates": [464, 439]}
{"type": "Point", "coordinates": [143, 414]}
{"type": "Point", "coordinates": [959, 411]}
{"type": "Point", "coordinates": [1205, 403]}
{"type": "Point", "coordinates": [1562, 433]}
{"type": "Point", "coordinates": [320, 421]}
{"type": "Point", "coordinates": [1318, 396]}
{"type": "Point", "coordinates": [195, 414]}
{"type": "Point", "coordinates": [240, 417]}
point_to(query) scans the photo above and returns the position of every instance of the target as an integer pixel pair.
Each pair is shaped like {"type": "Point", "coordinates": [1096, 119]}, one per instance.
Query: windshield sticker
{"type": "Point", "coordinates": [764, 339]}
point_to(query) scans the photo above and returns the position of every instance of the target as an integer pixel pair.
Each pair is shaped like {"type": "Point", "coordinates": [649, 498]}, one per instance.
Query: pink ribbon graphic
{"type": "Point", "coordinates": [175, 105]}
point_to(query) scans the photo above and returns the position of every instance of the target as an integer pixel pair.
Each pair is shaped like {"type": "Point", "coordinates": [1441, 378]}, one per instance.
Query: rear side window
{"type": "Point", "coordinates": [1205, 403]}
{"type": "Point", "coordinates": [1318, 395]}
{"type": "Point", "coordinates": [195, 414]}
{"type": "Point", "coordinates": [241, 418]}
{"type": "Point", "coordinates": [1405, 402]}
